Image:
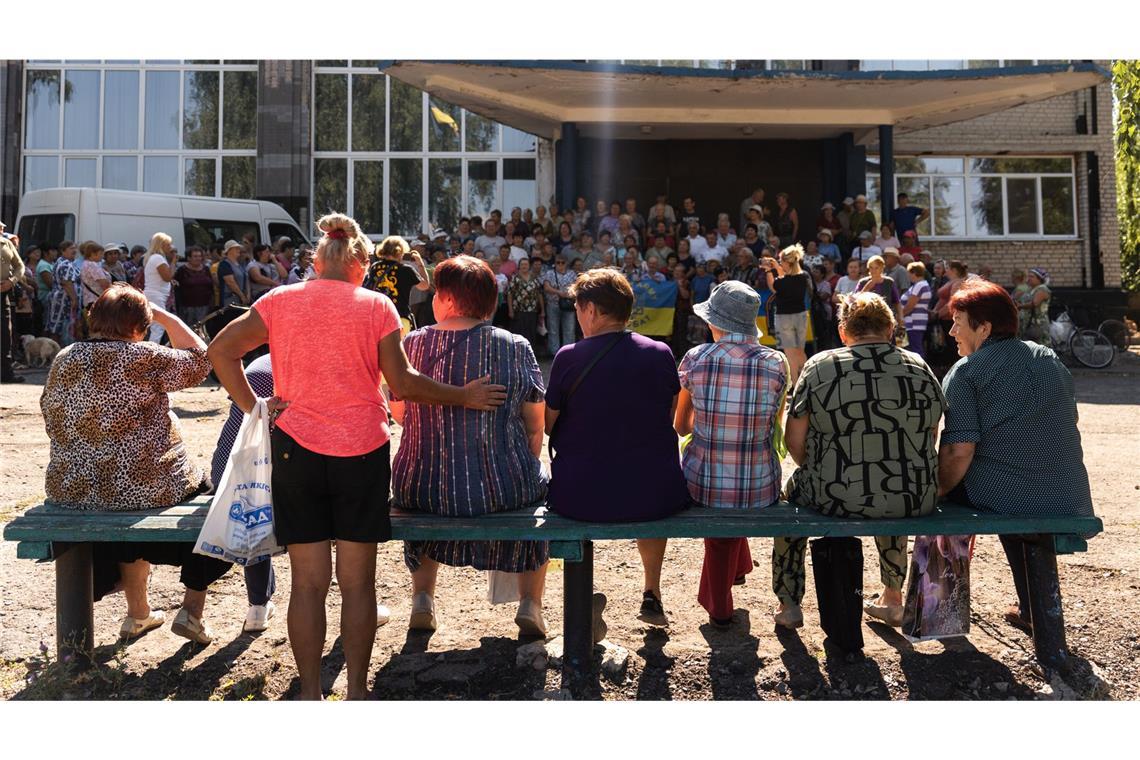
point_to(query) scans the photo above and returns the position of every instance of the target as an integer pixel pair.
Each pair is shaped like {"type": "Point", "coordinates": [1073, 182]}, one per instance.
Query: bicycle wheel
{"type": "Point", "coordinates": [1091, 349]}
{"type": "Point", "coordinates": [1116, 332]}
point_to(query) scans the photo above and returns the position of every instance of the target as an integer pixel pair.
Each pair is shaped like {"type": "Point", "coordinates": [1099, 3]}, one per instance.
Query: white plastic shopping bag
{"type": "Point", "coordinates": [502, 587]}
{"type": "Point", "coordinates": [239, 526]}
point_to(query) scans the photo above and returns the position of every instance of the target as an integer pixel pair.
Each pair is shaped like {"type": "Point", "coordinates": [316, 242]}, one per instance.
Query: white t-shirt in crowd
{"type": "Point", "coordinates": [862, 254]}
{"type": "Point", "coordinates": [156, 289]}
{"type": "Point", "coordinates": [490, 245]}
{"type": "Point", "coordinates": [846, 285]}
{"type": "Point", "coordinates": [518, 254]}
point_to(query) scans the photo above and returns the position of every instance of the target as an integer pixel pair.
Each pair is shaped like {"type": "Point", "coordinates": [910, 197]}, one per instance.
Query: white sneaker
{"type": "Point", "coordinates": [257, 618]}
{"type": "Point", "coordinates": [423, 613]}
{"type": "Point", "coordinates": [383, 615]}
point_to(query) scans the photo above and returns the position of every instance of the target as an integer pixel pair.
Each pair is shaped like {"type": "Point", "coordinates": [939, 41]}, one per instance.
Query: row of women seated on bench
{"type": "Point", "coordinates": [862, 425]}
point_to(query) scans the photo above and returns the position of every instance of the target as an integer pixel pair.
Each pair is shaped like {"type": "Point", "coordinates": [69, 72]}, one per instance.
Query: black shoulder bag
{"type": "Point", "coordinates": [578, 381]}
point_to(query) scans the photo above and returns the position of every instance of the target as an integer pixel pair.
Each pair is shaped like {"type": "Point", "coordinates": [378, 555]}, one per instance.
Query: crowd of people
{"type": "Point", "coordinates": [536, 255]}
{"type": "Point", "coordinates": [871, 430]}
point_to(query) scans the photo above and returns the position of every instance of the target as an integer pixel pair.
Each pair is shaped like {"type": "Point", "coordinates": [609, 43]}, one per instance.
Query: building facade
{"type": "Point", "coordinates": [1031, 185]}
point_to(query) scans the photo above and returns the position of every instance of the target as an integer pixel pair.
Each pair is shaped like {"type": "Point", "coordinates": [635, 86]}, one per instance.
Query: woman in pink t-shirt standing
{"type": "Point", "coordinates": [331, 458]}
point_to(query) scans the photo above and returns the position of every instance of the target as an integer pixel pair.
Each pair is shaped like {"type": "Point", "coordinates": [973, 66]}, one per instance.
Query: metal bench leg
{"type": "Point", "coordinates": [1045, 602]}
{"type": "Point", "coordinates": [74, 600]}
{"type": "Point", "coordinates": [577, 626]}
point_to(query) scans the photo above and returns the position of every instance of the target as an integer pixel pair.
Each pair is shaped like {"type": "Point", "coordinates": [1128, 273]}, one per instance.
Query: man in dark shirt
{"type": "Point", "coordinates": [905, 216]}
{"type": "Point", "coordinates": [689, 214]}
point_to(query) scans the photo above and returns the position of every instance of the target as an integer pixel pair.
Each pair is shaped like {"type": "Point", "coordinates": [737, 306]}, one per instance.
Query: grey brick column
{"type": "Point", "coordinates": [284, 136]}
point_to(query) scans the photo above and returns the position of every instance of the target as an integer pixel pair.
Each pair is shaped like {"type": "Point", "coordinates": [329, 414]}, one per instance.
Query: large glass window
{"type": "Point", "coordinates": [41, 172]}
{"type": "Point", "coordinates": [369, 95]}
{"type": "Point", "coordinates": [410, 162]}
{"type": "Point", "coordinates": [1057, 205]}
{"type": "Point", "coordinates": [445, 192]}
{"type": "Point", "coordinates": [517, 141]}
{"type": "Point", "coordinates": [42, 104]}
{"type": "Point", "coordinates": [990, 196]}
{"type": "Point", "coordinates": [482, 187]}
{"type": "Point", "coordinates": [200, 110]}
{"type": "Point", "coordinates": [405, 196]}
{"type": "Point", "coordinates": [406, 125]}
{"type": "Point", "coordinates": [443, 126]}
{"type": "Point", "coordinates": [482, 134]}
{"type": "Point", "coordinates": [121, 110]}
{"type": "Point", "coordinates": [330, 186]}
{"type": "Point", "coordinates": [160, 174]}
{"type": "Point", "coordinates": [518, 182]}
{"type": "Point", "coordinates": [79, 172]}
{"type": "Point", "coordinates": [1021, 202]}
{"type": "Point", "coordinates": [199, 176]}
{"type": "Point", "coordinates": [161, 115]}
{"type": "Point", "coordinates": [238, 176]}
{"type": "Point", "coordinates": [81, 110]}
{"type": "Point", "coordinates": [985, 215]}
{"type": "Point", "coordinates": [368, 195]}
{"type": "Point", "coordinates": [121, 172]}
{"type": "Point", "coordinates": [239, 128]}
{"type": "Point", "coordinates": [148, 115]}
{"type": "Point", "coordinates": [330, 99]}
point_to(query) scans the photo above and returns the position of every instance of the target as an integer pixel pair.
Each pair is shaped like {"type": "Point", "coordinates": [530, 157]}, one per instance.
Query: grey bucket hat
{"type": "Point", "coordinates": [731, 307]}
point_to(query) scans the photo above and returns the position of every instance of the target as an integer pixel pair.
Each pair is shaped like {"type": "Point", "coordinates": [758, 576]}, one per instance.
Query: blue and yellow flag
{"type": "Point", "coordinates": [653, 307]}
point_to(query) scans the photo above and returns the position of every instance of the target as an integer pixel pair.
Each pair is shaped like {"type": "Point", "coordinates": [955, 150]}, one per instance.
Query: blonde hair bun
{"type": "Point", "coordinates": [339, 249]}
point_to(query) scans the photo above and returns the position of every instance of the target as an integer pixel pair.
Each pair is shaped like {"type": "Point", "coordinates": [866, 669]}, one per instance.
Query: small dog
{"type": "Point", "coordinates": [39, 352]}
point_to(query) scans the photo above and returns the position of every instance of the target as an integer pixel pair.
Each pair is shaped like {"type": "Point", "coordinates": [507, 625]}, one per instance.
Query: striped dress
{"type": "Point", "coordinates": [460, 462]}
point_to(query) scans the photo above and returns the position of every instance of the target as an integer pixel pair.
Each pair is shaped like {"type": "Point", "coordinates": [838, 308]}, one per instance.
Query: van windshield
{"type": "Point", "coordinates": [45, 229]}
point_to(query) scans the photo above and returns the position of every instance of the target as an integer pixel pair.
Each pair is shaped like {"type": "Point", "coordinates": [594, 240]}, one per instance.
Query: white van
{"type": "Point", "coordinates": [120, 216]}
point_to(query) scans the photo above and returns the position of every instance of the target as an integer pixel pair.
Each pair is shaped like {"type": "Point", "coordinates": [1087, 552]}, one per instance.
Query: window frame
{"type": "Point", "coordinates": [424, 155]}
{"type": "Point", "coordinates": [140, 152]}
{"type": "Point", "coordinates": [968, 175]}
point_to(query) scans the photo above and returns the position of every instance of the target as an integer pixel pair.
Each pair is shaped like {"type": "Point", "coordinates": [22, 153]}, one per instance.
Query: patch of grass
{"type": "Point", "coordinates": [243, 689]}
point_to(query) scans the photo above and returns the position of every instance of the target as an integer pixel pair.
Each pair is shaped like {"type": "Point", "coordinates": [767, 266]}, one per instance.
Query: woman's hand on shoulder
{"type": "Point", "coordinates": [483, 395]}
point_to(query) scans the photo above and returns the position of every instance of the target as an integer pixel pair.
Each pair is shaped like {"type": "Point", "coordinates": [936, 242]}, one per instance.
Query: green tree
{"type": "Point", "coordinates": [1126, 89]}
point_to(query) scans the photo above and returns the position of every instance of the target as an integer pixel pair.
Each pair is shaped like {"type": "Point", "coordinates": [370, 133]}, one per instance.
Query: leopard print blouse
{"type": "Point", "coordinates": [115, 444]}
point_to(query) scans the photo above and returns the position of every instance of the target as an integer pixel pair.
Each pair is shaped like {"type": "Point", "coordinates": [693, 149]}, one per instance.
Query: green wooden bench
{"type": "Point", "coordinates": [48, 533]}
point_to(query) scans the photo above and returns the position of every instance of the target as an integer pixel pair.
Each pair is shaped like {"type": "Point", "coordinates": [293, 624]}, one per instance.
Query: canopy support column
{"type": "Point", "coordinates": [887, 171]}
{"type": "Point", "coordinates": [566, 165]}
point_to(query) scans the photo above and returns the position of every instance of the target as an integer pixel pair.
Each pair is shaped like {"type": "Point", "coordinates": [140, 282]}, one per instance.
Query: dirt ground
{"type": "Point", "coordinates": [473, 654]}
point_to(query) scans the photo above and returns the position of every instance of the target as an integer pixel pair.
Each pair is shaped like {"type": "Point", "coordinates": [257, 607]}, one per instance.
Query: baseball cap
{"type": "Point", "coordinates": [848, 201]}
{"type": "Point", "coordinates": [866, 235]}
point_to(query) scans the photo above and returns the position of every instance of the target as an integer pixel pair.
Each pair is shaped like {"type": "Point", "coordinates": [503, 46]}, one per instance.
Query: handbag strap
{"type": "Point", "coordinates": [592, 363]}
{"type": "Point", "coordinates": [578, 381]}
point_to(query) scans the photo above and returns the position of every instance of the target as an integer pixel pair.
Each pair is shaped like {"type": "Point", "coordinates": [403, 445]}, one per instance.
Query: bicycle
{"type": "Point", "coordinates": [1091, 348]}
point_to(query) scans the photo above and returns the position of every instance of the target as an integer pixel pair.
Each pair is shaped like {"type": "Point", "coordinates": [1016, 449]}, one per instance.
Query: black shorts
{"type": "Point", "coordinates": [323, 498]}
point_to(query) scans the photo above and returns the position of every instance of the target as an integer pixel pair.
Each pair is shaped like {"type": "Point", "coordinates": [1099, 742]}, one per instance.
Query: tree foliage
{"type": "Point", "coordinates": [1126, 89]}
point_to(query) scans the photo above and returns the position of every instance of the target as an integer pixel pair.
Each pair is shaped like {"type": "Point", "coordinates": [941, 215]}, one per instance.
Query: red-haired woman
{"type": "Point", "coordinates": [1010, 443]}
{"type": "Point", "coordinates": [459, 462]}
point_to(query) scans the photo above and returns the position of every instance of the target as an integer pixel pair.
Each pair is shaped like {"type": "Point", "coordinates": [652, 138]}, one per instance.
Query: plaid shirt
{"type": "Point", "coordinates": [736, 385]}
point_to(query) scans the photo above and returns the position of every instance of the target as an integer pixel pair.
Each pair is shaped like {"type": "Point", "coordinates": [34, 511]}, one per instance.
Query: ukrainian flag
{"type": "Point", "coordinates": [653, 307]}
{"type": "Point", "coordinates": [766, 335]}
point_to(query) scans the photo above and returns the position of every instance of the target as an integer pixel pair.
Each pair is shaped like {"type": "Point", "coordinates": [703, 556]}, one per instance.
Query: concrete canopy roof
{"type": "Point", "coordinates": [649, 102]}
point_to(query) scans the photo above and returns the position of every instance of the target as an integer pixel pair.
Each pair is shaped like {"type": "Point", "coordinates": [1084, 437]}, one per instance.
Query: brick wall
{"type": "Point", "coordinates": [1048, 127]}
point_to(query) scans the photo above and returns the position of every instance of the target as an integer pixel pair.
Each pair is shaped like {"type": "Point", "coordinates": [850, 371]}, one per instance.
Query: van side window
{"type": "Point", "coordinates": [279, 229]}
{"type": "Point", "coordinates": [204, 232]}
